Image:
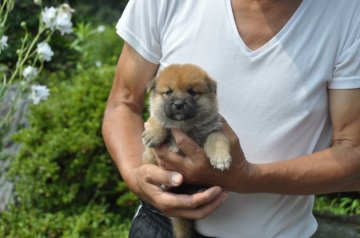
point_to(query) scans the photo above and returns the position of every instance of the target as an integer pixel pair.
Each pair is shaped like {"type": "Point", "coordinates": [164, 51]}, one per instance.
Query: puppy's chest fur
{"type": "Point", "coordinates": [198, 133]}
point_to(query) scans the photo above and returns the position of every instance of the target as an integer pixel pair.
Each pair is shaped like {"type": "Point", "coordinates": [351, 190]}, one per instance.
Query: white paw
{"type": "Point", "coordinates": [221, 160]}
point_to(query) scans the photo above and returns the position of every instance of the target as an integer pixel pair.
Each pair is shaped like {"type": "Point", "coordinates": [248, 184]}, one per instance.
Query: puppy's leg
{"type": "Point", "coordinates": [154, 134]}
{"type": "Point", "coordinates": [182, 227]}
{"type": "Point", "coordinates": [217, 148]}
{"type": "Point", "coordinates": [148, 156]}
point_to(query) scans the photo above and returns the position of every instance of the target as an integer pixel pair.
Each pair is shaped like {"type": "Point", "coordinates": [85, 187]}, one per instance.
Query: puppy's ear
{"type": "Point", "coordinates": [211, 84]}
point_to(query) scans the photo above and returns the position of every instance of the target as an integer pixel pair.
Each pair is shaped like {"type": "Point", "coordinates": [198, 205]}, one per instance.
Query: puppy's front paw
{"type": "Point", "coordinates": [217, 148]}
{"type": "Point", "coordinates": [153, 138]}
{"type": "Point", "coordinates": [221, 160]}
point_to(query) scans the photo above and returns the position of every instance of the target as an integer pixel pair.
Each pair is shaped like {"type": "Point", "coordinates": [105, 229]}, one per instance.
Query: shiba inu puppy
{"type": "Point", "coordinates": [184, 97]}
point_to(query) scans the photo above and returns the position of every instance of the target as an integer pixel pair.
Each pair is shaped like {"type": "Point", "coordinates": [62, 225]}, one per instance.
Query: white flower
{"type": "Point", "coordinates": [38, 2]}
{"type": "Point", "coordinates": [30, 72]}
{"type": "Point", "coordinates": [38, 93]}
{"type": "Point", "coordinates": [63, 23]}
{"type": "Point", "coordinates": [44, 51]}
{"type": "Point", "coordinates": [3, 43]}
{"type": "Point", "coordinates": [48, 16]}
{"type": "Point", "coordinates": [98, 64]}
{"type": "Point", "coordinates": [100, 28]}
{"type": "Point", "coordinates": [63, 19]}
{"type": "Point", "coordinates": [58, 18]}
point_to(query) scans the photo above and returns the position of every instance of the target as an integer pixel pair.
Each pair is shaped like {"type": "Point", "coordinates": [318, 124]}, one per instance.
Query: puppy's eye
{"type": "Point", "coordinates": [168, 92]}
{"type": "Point", "coordinates": [192, 92]}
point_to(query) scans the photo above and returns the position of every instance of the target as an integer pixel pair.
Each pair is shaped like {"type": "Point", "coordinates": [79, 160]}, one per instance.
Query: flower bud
{"type": "Point", "coordinates": [38, 2]}
{"type": "Point", "coordinates": [23, 24]}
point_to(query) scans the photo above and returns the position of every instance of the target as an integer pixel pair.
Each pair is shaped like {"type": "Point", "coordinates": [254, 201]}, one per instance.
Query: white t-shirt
{"type": "Point", "coordinates": [275, 97]}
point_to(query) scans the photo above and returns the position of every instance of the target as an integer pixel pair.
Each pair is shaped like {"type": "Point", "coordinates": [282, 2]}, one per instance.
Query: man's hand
{"type": "Point", "coordinates": [196, 206]}
{"type": "Point", "coordinates": [195, 165]}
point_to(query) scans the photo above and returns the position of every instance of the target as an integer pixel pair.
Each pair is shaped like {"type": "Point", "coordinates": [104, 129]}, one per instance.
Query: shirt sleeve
{"type": "Point", "coordinates": [346, 73]}
{"type": "Point", "coordinates": [139, 27]}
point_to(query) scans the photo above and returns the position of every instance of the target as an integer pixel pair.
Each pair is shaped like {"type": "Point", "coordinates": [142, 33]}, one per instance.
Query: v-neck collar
{"type": "Point", "coordinates": [273, 41]}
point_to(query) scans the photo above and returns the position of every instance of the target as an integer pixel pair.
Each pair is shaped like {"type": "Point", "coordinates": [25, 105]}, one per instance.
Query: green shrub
{"type": "Point", "coordinates": [93, 221]}
{"type": "Point", "coordinates": [63, 175]}
{"type": "Point", "coordinates": [88, 42]}
{"type": "Point", "coordinates": [338, 204]}
{"type": "Point", "coordinates": [66, 185]}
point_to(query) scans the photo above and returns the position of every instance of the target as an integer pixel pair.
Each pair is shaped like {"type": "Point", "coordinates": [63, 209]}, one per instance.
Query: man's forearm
{"type": "Point", "coordinates": [122, 129]}
{"type": "Point", "coordinates": [332, 170]}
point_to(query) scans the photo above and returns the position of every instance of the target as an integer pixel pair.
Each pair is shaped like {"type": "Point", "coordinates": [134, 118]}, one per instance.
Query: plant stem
{"type": "Point", "coordinates": [21, 61]}
{"type": "Point", "coordinates": [9, 4]}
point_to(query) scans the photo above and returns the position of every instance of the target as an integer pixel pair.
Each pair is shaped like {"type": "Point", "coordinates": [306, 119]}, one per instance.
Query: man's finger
{"type": "Point", "coordinates": [170, 160]}
{"type": "Point", "coordinates": [188, 202]}
{"type": "Point", "coordinates": [158, 176]}
{"type": "Point", "coordinates": [205, 209]}
{"type": "Point", "coordinates": [187, 145]}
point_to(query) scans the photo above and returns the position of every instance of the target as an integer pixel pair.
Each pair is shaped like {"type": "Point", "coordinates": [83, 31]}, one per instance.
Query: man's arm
{"type": "Point", "coordinates": [336, 169]}
{"type": "Point", "coordinates": [123, 123]}
{"type": "Point", "coordinates": [122, 130]}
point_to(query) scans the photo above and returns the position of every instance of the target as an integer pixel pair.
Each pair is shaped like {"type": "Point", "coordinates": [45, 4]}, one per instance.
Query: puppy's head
{"type": "Point", "coordinates": [182, 95]}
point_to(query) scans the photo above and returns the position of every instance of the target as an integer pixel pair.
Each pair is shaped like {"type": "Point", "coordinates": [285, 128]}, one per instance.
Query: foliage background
{"type": "Point", "coordinates": [66, 184]}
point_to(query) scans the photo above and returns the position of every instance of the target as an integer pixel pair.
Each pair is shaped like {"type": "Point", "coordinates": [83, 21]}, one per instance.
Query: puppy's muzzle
{"type": "Point", "coordinates": [180, 109]}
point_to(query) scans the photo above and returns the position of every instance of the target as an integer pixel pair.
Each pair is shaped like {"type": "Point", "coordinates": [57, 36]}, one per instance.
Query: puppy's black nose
{"type": "Point", "coordinates": [178, 105]}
